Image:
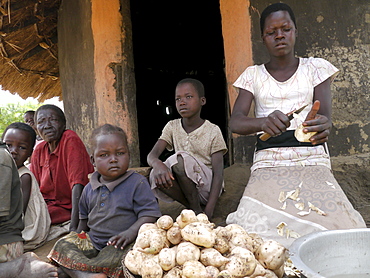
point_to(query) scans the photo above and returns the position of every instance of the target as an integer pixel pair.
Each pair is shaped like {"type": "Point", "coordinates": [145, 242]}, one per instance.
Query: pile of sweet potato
{"type": "Point", "coordinates": [192, 247]}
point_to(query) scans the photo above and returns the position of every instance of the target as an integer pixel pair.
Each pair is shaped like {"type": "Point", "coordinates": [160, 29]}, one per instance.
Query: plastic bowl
{"type": "Point", "coordinates": [338, 253]}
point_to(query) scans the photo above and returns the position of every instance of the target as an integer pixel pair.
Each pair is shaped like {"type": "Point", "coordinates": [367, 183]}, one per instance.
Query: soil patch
{"type": "Point", "coordinates": [353, 175]}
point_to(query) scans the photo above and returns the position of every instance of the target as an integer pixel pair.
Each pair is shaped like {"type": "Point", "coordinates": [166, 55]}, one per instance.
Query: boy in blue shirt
{"type": "Point", "coordinates": [113, 206]}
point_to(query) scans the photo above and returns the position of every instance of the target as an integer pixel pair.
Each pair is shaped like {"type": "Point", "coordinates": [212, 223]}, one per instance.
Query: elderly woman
{"type": "Point", "coordinates": [60, 164]}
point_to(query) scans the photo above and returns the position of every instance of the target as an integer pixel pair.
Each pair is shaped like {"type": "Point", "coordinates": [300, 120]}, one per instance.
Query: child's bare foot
{"type": "Point", "coordinates": [81, 274]}
{"type": "Point", "coordinates": [28, 266]}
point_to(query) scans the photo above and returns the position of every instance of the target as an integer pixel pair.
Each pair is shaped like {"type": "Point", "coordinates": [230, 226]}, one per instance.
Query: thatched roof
{"type": "Point", "coordinates": [28, 48]}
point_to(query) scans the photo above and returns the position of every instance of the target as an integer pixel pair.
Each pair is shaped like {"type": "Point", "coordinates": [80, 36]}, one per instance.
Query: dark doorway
{"type": "Point", "coordinates": [174, 40]}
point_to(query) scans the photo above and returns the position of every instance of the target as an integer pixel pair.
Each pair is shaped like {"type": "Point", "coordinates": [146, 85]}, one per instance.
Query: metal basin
{"type": "Point", "coordinates": [338, 253]}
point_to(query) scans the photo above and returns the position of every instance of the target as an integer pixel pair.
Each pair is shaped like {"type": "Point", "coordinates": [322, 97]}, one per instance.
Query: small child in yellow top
{"type": "Point", "coordinates": [20, 139]}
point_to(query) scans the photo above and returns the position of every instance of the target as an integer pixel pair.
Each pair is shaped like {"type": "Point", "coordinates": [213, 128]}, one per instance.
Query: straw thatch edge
{"type": "Point", "coordinates": [28, 48]}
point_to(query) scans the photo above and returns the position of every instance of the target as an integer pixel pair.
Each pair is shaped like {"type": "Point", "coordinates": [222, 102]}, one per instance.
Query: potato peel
{"type": "Point", "coordinates": [330, 184]}
{"type": "Point", "coordinates": [304, 213]}
{"type": "Point", "coordinates": [283, 230]}
{"type": "Point", "coordinates": [283, 207]}
{"type": "Point", "coordinates": [293, 194]}
{"type": "Point", "coordinates": [282, 197]}
{"type": "Point", "coordinates": [292, 234]}
{"type": "Point", "coordinates": [299, 206]}
{"type": "Point", "coordinates": [280, 228]}
{"type": "Point", "coordinates": [319, 211]}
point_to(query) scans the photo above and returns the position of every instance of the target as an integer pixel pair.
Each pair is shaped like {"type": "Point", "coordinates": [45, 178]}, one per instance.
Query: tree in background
{"type": "Point", "coordinates": [14, 113]}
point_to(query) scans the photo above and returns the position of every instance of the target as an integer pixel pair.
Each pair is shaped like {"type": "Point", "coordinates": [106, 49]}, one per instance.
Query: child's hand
{"type": "Point", "coordinates": [275, 123]}
{"type": "Point", "coordinates": [162, 175]}
{"type": "Point", "coordinates": [122, 239]}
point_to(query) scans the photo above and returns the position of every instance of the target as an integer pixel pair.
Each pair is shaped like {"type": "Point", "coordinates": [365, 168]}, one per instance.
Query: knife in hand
{"type": "Point", "coordinates": [266, 136]}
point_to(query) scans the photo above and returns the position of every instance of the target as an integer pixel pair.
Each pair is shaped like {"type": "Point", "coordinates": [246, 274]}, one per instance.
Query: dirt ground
{"type": "Point", "coordinates": [352, 173]}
